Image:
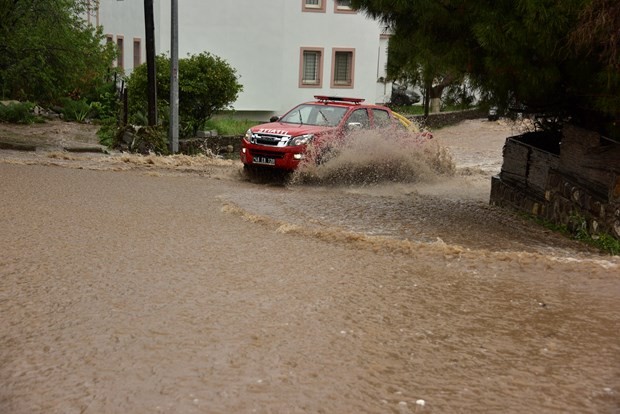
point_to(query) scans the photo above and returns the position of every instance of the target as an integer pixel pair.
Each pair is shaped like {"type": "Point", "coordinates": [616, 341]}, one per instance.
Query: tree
{"type": "Point", "coordinates": [427, 47]}
{"type": "Point", "coordinates": [519, 52]}
{"type": "Point", "coordinates": [47, 50]}
{"type": "Point", "coordinates": [207, 84]}
{"type": "Point", "coordinates": [598, 35]}
{"type": "Point", "coordinates": [413, 68]}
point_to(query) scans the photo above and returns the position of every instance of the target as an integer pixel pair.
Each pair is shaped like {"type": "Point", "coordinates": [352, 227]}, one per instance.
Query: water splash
{"type": "Point", "coordinates": [378, 156]}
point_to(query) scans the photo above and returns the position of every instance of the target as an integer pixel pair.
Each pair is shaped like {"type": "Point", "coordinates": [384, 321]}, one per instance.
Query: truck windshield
{"type": "Point", "coordinates": [320, 115]}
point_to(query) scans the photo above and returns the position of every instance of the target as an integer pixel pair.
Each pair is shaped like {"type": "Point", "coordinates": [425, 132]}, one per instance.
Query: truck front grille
{"type": "Point", "coordinates": [269, 139]}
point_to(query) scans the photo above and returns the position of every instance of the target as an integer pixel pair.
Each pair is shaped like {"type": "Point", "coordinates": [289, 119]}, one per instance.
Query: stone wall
{"type": "Point", "coordinates": [227, 146]}
{"type": "Point", "coordinates": [580, 184]}
{"type": "Point", "coordinates": [442, 119]}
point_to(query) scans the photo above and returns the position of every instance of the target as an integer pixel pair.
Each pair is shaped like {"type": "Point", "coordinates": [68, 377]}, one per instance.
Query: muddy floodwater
{"type": "Point", "coordinates": [383, 285]}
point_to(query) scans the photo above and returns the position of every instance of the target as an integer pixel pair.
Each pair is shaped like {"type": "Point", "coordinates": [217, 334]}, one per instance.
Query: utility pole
{"type": "Point", "coordinates": [428, 84]}
{"type": "Point", "coordinates": [149, 25]}
{"type": "Point", "coordinates": [174, 77]}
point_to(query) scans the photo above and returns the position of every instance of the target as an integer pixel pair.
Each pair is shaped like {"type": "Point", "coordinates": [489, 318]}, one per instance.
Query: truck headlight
{"type": "Point", "coordinates": [248, 136]}
{"type": "Point", "coordinates": [300, 140]}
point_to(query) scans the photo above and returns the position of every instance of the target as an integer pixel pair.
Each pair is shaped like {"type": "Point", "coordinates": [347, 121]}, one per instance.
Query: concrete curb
{"type": "Point", "coordinates": [95, 148]}
{"type": "Point", "coordinates": [15, 146]}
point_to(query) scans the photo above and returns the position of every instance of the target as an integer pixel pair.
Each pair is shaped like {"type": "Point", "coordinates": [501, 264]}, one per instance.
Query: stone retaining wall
{"type": "Point", "coordinates": [227, 146]}
{"type": "Point", "coordinates": [443, 119]}
{"type": "Point", "coordinates": [574, 188]}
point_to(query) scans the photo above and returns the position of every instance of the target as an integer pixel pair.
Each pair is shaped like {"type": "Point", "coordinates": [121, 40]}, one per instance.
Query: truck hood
{"type": "Point", "coordinates": [293, 130]}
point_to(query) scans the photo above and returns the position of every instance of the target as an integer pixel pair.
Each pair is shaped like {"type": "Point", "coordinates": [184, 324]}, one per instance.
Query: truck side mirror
{"type": "Point", "coordinates": [274, 118]}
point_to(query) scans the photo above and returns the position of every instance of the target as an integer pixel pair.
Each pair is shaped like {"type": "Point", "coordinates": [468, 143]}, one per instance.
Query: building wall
{"type": "Point", "coordinates": [125, 18]}
{"type": "Point", "coordinates": [262, 40]}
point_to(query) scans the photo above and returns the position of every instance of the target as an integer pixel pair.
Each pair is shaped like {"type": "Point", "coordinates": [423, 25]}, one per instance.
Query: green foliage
{"type": "Point", "coordinates": [17, 113]}
{"type": "Point", "coordinates": [75, 110]}
{"type": "Point", "coordinates": [544, 56]}
{"type": "Point", "coordinates": [145, 139]}
{"type": "Point", "coordinates": [207, 84]}
{"type": "Point", "coordinates": [108, 132]}
{"type": "Point", "coordinates": [137, 85]}
{"type": "Point", "coordinates": [577, 228]}
{"type": "Point", "coordinates": [457, 97]}
{"type": "Point", "coordinates": [105, 106]}
{"type": "Point", "coordinates": [229, 126]}
{"type": "Point", "coordinates": [140, 139]}
{"type": "Point", "coordinates": [48, 50]}
{"type": "Point", "coordinates": [104, 101]}
{"type": "Point", "coordinates": [608, 244]}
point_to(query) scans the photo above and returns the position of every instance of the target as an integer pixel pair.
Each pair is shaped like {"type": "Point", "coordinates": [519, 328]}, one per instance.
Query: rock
{"type": "Point", "coordinates": [127, 137]}
{"type": "Point", "coordinates": [207, 134]}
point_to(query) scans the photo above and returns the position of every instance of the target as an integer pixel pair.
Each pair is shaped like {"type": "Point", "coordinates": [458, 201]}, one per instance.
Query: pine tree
{"type": "Point", "coordinates": [545, 56]}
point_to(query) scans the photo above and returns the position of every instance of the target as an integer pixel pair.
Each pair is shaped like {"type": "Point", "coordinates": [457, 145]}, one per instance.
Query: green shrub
{"type": "Point", "coordinates": [75, 110]}
{"type": "Point", "coordinates": [17, 113]}
{"type": "Point", "coordinates": [48, 49]}
{"type": "Point", "coordinates": [207, 84]}
{"type": "Point", "coordinates": [146, 140]}
{"type": "Point", "coordinates": [457, 98]}
{"type": "Point", "coordinates": [229, 126]}
{"type": "Point", "coordinates": [108, 132]}
{"type": "Point", "coordinates": [577, 229]}
{"type": "Point", "coordinates": [106, 106]}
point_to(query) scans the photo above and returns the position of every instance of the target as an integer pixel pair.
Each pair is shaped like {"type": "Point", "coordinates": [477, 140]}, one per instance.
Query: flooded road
{"type": "Point", "coordinates": [177, 285]}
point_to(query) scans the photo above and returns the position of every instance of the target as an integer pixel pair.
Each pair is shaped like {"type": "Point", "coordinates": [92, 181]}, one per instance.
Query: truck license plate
{"type": "Point", "coordinates": [264, 160]}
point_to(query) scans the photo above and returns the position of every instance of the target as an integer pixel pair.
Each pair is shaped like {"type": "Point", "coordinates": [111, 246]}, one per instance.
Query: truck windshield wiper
{"type": "Point", "coordinates": [301, 122]}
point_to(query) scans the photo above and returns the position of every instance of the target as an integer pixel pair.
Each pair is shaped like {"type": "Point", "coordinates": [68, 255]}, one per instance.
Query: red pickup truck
{"type": "Point", "coordinates": [286, 141]}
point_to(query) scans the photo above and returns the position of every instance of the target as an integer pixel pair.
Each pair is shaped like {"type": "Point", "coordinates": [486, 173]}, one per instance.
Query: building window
{"type": "Point", "coordinates": [311, 68]}
{"type": "Point", "coordinates": [313, 6]}
{"type": "Point", "coordinates": [137, 52]}
{"type": "Point", "coordinates": [92, 10]}
{"type": "Point", "coordinates": [120, 44]}
{"type": "Point", "coordinates": [343, 6]}
{"type": "Point", "coordinates": [343, 68]}
{"type": "Point", "coordinates": [88, 12]}
{"type": "Point", "coordinates": [109, 39]}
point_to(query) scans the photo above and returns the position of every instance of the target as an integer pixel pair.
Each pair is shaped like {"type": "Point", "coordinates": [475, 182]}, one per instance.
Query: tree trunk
{"type": "Point", "coordinates": [427, 94]}
{"type": "Point", "coordinates": [437, 90]}
{"type": "Point", "coordinates": [435, 97]}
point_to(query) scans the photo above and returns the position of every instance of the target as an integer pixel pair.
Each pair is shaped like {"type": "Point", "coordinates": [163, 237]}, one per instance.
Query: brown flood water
{"type": "Point", "coordinates": [178, 285]}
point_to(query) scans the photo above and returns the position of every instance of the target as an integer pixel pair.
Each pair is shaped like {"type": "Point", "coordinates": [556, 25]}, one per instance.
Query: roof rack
{"type": "Point", "coordinates": [324, 98]}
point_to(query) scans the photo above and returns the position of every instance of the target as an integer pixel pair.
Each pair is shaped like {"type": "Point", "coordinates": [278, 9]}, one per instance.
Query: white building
{"type": "Point", "coordinates": [284, 51]}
